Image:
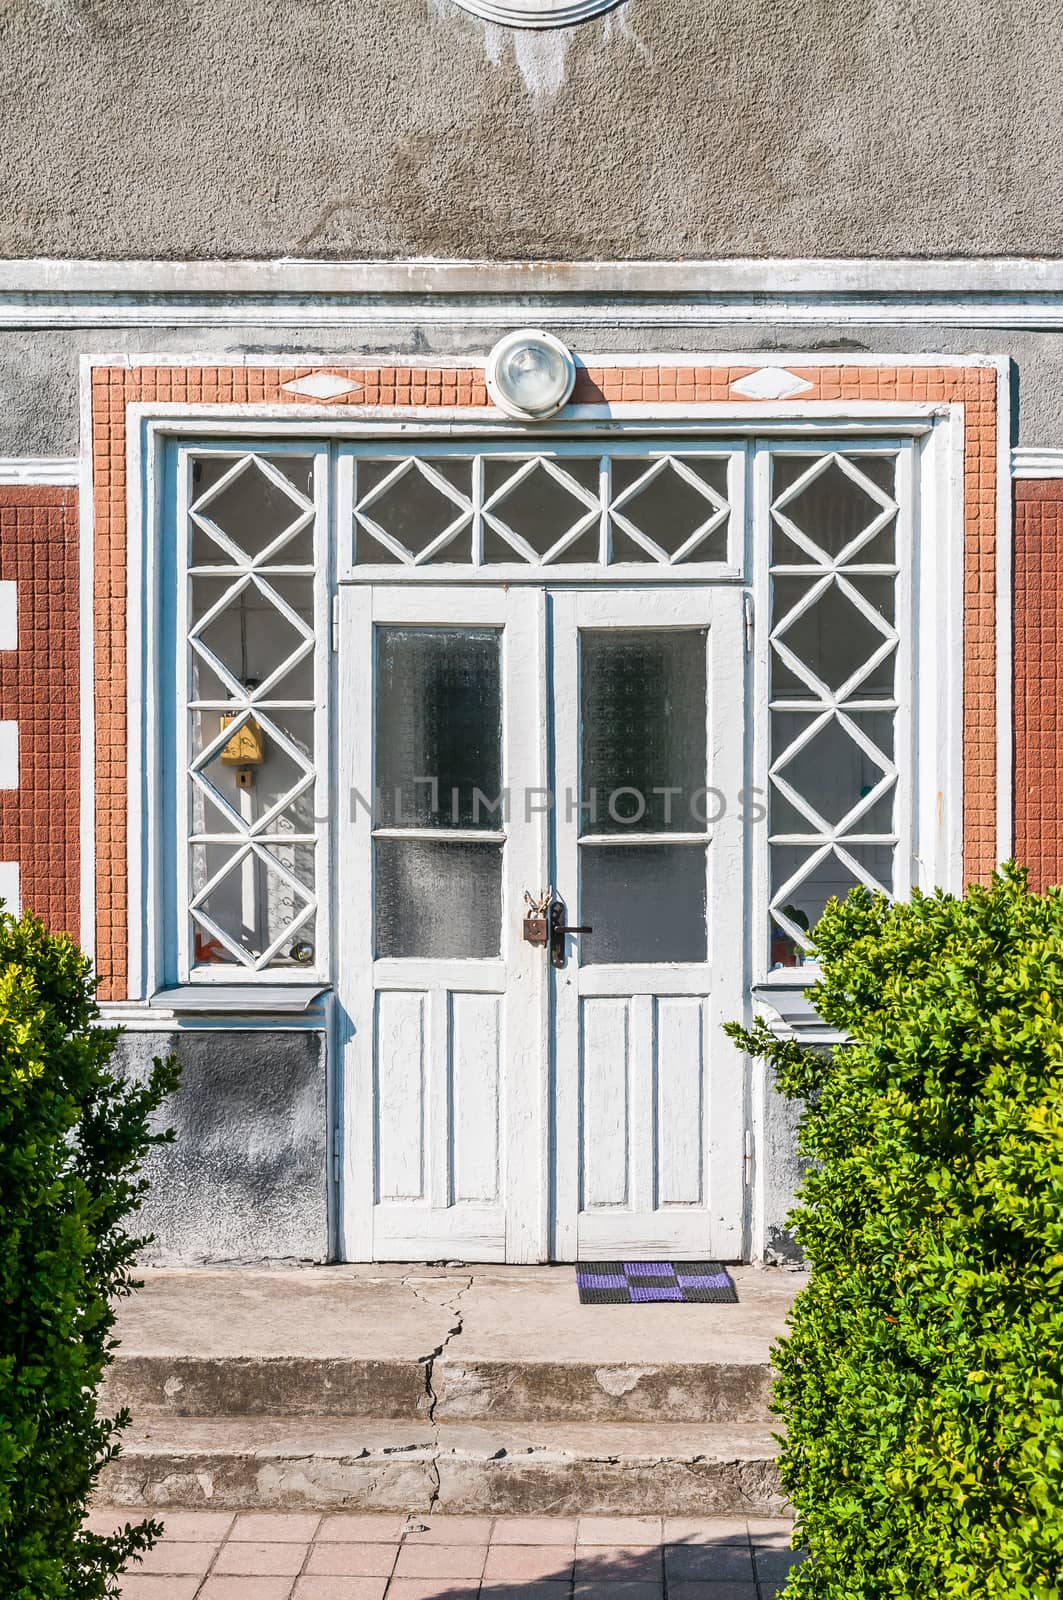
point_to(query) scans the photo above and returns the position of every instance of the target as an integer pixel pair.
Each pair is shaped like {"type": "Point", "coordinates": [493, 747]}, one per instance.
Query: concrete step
{"type": "Point", "coordinates": [331, 1463]}
{"type": "Point", "coordinates": [504, 1344]}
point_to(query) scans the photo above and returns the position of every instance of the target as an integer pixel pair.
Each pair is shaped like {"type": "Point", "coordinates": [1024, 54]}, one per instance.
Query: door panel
{"type": "Point", "coordinates": [446, 1046]}
{"type": "Point", "coordinates": [647, 722]}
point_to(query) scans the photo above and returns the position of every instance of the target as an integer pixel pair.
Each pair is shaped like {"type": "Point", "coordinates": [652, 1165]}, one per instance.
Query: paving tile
{"type": "Point", "coordinates": [261, 1558]}
{"type": "Point", "coordinates": [633, 1563]}
{"type": "Point", "coordinates": [339, 1588]}
{"type": "Point", "coordinates": [430, 1589]}
{"type": "Point", "coordinates": [157, 1588]}
{"type": "Point", "coordinates": [708, 1563]}
{"type": "Point", "coordinates": [774, 1529]}
{"type": "Point", "coordinates": [354, 1528]}
{"type": "Point", "coordinates": [285, 1527]}
{"type": "Point", "coordinates": [773, 1565]}
{"type": "Point", "coordinates": [540, 1563]}
{"type": "Point", "coordinates": [619, 1591]}
{"type": "Point", "coordinates": [522, 1591]}
{"type": "Point", "coordinates": [441, 1561]}
{"type": "Point", "coordinates": [105, 1519]}
{"type": "Point", "coordinates": [245, 1588]}
{"type": "Point", "coordinates": [709, 1530]}
{"type": "Point", "coordinates": [712, 1591]}
{"type": "Point", "coordinates": [451, 1530]}
{"type": "Point", "coordinates": [625, 1531]}
{"type": "Point", "coordinates": [176, 1555]}
{"type": "Point", "coordinates": [535, 1530]}
{"type": "Point", "coordinates": [352, 1560]}
{"type": "Point", "coordinates": [207, 1527]}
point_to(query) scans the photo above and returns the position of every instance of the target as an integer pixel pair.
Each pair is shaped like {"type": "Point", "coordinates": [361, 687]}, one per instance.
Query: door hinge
{"type": "Point", "coordinates": [747, 611]}
{"type": "Point", "coordinates": [337, 1154]}
{"type": "Point", "coordinates": [747, 1164]}
{"type": "Point", "coordinates": [335, 622]}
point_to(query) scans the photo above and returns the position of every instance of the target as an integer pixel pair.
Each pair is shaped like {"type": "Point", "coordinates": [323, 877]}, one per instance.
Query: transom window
{"type": "Point", "coordinates": [562, 505]}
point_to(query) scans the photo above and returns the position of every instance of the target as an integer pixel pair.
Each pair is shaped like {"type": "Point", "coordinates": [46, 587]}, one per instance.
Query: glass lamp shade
{"type": "Point", "coordinates": [530, 374]}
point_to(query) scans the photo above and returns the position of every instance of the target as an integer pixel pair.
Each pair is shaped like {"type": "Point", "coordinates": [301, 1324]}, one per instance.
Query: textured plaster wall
{"type": "Point", "coordinates": [245, 1179]}
{"type": "Point", "coordinates": [39, 370]}
{"type": "Point", "coordinates": [406, 127]}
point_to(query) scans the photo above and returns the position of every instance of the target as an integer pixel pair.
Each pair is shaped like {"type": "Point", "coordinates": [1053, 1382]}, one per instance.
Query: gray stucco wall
{"type": "Point", "coordinates": [245, 1179]}
{"type": "Point", "coordinates": [407, 127]}
{"type": "Point", "coordinates": [39, 370]}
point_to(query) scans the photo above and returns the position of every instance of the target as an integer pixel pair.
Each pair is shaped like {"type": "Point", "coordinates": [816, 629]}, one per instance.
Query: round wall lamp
{"type": "Point", "coordinates": [538, 13]}
{"type": "Point", "coordinates": [530, 374]}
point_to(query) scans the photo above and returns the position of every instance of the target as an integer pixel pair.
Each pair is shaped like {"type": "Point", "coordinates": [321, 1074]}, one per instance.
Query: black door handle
{"type": "Point", "coordinates": [558, 932]}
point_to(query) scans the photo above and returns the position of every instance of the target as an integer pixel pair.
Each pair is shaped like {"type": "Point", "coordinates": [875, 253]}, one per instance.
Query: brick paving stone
{"type": "Point", "coordinates": [204, 1527]}
{"type": "Point", "coordinates": [158, 1588]}
{"type": "Point", "coordinates": [514, 1563]}
{"type": "Point", "coordinates": [707, 1563]}
{"type": "Point", "coordinates": [763, 1531]}
{"type": "Point", "coordinates": [176, 1556]}
{"type": "Point", "coordinates": [711, 1530]}
{"type": "Point", "coordinates": [608, 1590]}
{"type": "Point", "coordinates": [525, 1591]}
{"type": "Point", "coordinates": [432, 1589]}
{"type": "Point", "coordinates": [619, 1530]}
{"type": "Point", "coordinates": [712, 1591]}
{"type": "Point", "coordinates": [284, 1527]}
{"type": "Point", "coordinates": [245, 1588]}
{"type": "Point", "coordinates": [441, 1561]}
{"type": "Point", "coordinates": [105, 1519]}
{"type": "Point", "coordinates": [633, 1563]}
{"type": "Point", "coordinates": [339, 1588]}
{"type": "Point", "coordinates": [352, 1560]}
{"type": "Point", "coordinates": [452, 1530]}
{"type": "Point", "coordinates": [261, 1559]}
{"type": "Point", "coordinates": [535, 1530]}
{"type": "Point", "coordinates": [351, 1527]}
{"type": "Point", "coordinates": [773, 1565]}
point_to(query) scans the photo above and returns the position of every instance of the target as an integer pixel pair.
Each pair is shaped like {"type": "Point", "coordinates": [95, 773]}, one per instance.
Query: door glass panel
{"type": "Point", "coordinates": [644, 731]}
{"type": "Point", "coordinates": [438, 900]}
{"type": "Point", "coordinates": [438, 727]}
{"type": "Point", "coordinates": [645, 902]}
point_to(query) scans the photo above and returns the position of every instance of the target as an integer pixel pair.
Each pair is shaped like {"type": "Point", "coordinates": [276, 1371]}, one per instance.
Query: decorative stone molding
{"type": "Point", "coordinates": [537, 13]}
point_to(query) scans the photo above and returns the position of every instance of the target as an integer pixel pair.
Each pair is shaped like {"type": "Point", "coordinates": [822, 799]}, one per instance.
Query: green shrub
{"type": "Point", "coordinates": [71, 1138]}
{"type": "Point", "coordinates": [922, 1381]}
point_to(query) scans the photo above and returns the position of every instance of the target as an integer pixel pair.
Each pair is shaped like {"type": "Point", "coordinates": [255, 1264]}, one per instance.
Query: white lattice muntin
{"type": "Point", "coordinates": [834, 530]}
{"type": "Point", "coordinates": [464, 511]}
{"type": "Point", "coordinates": [252, 595]}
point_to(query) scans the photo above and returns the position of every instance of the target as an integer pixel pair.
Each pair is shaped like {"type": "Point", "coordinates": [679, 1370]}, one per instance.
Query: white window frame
{"type": "Point", "coordinates": [937, 710]}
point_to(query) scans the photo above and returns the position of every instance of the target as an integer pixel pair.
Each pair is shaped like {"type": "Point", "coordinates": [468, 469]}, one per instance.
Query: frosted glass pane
{"type": "Point", "coordinates": [644, 729]}
{"type": "Point", "coordinates": [439, 717]}
{"type": "Point", "coordinates": [644, 902]}
{"type": "Point", "coordinates": [438, 901]}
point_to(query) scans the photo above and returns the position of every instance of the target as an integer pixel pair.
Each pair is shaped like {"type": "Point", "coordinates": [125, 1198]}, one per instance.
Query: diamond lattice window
{"type": "Point", "coordinates": [566, 506]}
{"type": "Point", "coordinates": [254, 688]}
{"type": "Point", "coordinates": [833, 674]}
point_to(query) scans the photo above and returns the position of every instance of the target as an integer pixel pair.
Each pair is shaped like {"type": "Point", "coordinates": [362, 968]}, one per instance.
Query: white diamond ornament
{"type": "Point", "coordinates": [321, 386]}
{"type": "Point", "coordinates": [771, 383]}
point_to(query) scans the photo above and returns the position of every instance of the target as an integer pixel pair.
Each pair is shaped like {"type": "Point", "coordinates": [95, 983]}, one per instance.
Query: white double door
{"type": "Point", "coordinates": [504, 1100]}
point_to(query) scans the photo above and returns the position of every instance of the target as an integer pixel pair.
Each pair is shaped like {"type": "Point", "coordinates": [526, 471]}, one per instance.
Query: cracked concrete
{"type": "Point", "coordinates": [429, 1389]}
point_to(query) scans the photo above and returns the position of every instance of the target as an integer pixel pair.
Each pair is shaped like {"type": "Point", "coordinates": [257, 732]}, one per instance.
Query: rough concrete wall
{"type": "Point", "coordinates": [245, 1179]}
{"type": "Point", "coordinates": [407, 127]}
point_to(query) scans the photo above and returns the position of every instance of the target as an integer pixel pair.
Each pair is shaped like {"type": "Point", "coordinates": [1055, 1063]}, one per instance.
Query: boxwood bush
{"type": "Point", "coordinates": [72, 1136]}
{"type": "Point", "coordinates": [921, 1383]}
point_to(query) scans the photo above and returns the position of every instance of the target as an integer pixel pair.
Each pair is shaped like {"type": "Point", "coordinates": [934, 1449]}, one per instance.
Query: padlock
{"type": "Point", "coordinates": [535, 930]}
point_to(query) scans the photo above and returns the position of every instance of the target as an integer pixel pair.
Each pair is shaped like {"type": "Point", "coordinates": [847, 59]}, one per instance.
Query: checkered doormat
{"type": "Point", "coordinates": [625, 1283]}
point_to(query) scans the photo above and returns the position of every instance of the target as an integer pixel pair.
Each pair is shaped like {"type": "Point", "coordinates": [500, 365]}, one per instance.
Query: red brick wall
{"type": "Point", "coordinates": [39, 821]}
{"type": "Point", "coordinates": [114, 388]}
{"type": "Point", "coordinates": [1038, 591]}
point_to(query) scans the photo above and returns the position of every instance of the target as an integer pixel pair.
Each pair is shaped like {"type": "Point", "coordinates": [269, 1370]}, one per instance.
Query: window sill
{"type": "Point", "coordinates": [216, 999]}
